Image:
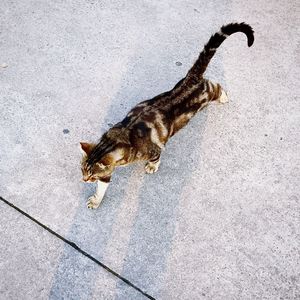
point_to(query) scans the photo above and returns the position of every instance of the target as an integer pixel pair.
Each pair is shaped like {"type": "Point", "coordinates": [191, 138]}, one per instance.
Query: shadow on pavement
{"type": "Point", "coordinates": [152, 224]}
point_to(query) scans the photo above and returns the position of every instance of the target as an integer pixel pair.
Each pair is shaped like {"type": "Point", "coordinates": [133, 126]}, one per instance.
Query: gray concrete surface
{"type": "Point", "coordinates": [30, 266]}
{"type": "Point", "coordinates": [220, 220]}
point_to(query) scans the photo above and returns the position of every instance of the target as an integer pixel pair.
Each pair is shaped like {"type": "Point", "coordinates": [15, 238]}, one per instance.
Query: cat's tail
{"type": "Point", "coordinates": [196, 72]}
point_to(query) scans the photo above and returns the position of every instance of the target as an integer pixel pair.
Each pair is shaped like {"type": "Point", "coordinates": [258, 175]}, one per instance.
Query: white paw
{"type": "Point", "coordinates": [223, 98]}
{"type": "Point", "coordinates": [93, 202]}
{"type": "Point", "coordinates": [151, 168]}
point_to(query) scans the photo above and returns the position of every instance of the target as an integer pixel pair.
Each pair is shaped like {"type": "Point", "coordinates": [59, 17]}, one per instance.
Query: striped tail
{"type": "Point", "coordinates": [196, 72]}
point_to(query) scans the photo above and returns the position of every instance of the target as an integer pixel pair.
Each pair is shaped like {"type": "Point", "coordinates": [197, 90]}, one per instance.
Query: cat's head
{"type": "Point", "coordinates": [99, 160]}
{"type": "Point", "coordinates": [97, 170]}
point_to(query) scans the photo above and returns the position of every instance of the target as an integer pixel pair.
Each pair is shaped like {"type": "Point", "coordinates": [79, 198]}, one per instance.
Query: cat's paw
{"type": "Point", "coordinates": [93, 202]}
{"type": "Point", "coordinates": [151, 168]}
{"type": "Point", "coordinates": [223, 98]}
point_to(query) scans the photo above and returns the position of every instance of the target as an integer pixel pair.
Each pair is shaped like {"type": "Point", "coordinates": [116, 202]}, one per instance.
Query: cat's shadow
{"type": "Point", "coordinates": [150, 229]}
{"type": "Point", "coordinates": [151, 236]}
{"type": "Point", "coordinates": [156, 198]}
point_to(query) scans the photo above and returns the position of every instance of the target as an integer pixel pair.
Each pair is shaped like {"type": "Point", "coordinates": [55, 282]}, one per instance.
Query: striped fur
{"type": "Point", "coordinates": [146, 129]}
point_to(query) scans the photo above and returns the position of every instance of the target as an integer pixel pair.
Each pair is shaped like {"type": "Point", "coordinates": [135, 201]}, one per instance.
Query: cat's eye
{"type": "Point", "coordinates": [93, 178]}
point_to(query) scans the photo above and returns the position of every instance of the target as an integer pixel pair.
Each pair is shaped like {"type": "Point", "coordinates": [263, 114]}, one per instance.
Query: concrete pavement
{"type": "Point", "coordinates": [220, 220]}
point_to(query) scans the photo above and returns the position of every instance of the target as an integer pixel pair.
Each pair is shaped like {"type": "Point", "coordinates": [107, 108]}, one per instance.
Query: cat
{"type": "Point", "coordinates": [143, 133]}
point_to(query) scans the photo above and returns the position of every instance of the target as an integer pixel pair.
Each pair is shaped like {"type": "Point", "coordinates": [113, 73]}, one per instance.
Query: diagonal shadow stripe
{"type": "Point", "coordinates": [73, 245]}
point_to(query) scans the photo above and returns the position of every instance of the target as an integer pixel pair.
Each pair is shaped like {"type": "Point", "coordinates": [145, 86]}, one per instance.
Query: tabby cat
{"type": "Point", "coordinates": [146, 129]}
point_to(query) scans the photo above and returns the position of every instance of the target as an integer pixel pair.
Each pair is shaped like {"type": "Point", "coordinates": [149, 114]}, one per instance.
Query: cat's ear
{"type": "Point", "coordinates": [87, 148]}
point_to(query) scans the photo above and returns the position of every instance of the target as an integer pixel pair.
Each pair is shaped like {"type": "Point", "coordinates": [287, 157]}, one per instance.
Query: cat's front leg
{"type": "Point", "coordinates": [152, 165]}
{"type": "Point", "coordinates": [95, 200]}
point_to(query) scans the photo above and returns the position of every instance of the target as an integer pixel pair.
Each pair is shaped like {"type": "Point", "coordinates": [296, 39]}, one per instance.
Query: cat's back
{"type": "Point", "coordinates": [159, 115]}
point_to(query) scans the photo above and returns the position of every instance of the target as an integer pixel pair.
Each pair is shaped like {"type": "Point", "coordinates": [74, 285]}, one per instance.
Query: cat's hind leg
{"type": "Point", "coordinates": [216, 92]}
{"type": "Point", "coordinates": [223, 97]}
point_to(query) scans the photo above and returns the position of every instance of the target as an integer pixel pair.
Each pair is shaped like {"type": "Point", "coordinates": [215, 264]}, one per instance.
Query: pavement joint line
{"type": "Point", "coordinates": [73, 245]}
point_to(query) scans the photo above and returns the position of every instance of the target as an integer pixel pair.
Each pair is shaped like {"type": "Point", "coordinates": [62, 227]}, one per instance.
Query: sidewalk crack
{"type": "Point", "coordinates": [77, 248]}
